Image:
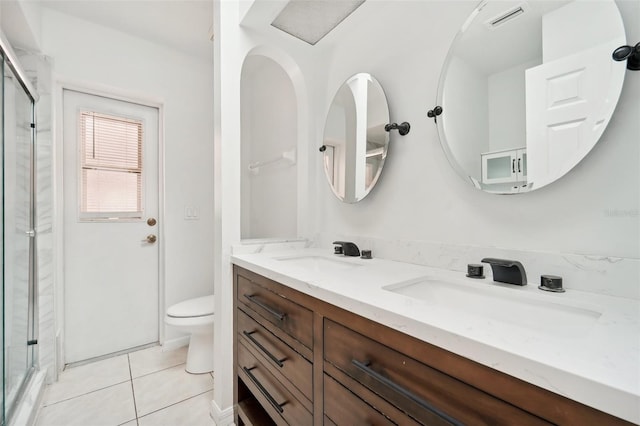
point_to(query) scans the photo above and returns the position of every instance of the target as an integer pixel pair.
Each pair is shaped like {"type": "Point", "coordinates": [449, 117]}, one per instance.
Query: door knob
{"type": "Point", "coordinates": [150, 239]}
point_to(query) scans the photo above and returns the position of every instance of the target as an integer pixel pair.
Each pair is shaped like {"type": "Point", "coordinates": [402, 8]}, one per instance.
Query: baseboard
{"type": "Point", "coordinates": [176, 343]}
{"type": "Point", "coordinates": [29, 404]}
{"type": "Point", "coordinates": [222, 417]}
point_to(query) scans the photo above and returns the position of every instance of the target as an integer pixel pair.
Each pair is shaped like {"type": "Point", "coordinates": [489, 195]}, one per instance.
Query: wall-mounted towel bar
{"type": "Point", "coordinates": [287, 156]}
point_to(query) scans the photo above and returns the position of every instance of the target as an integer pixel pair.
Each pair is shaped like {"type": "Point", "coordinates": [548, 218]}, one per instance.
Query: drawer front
{"type": "Point", "coordinates": [277, 354]}
{"type": "Point", "coordinates": [344, 408]}
{"type": "Point", "coordinates": [290, 317]}
{"type": "Point", "coordinates": [272, 395]}
{"type": "Point", "coordinates": [419, 390]}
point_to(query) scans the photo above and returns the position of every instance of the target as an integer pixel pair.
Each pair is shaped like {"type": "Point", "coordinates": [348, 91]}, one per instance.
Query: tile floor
{"type": "Point", "coordinates": [144, 388]}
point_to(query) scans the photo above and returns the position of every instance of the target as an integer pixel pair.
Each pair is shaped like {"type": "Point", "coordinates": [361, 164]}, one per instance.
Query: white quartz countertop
{"type": "Point", "coordinates": [591, 356]}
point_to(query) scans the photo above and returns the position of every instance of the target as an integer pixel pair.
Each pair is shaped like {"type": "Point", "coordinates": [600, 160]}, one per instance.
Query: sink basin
{"type": "Point", "coordinates": [319, 264]}
{"type": "Point", "coordinates": [512, 306]}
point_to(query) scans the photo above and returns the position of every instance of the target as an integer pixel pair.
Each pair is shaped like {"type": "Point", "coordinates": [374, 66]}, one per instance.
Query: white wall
{"type": "Point", "coordinates": [507, 109]}
{"type": "Point", "coordinates": [561, 29]}
{"type": "Point", "coordinates": [21, 23]}
{"type": "Point", "coordinates": [269, 128]}
{"type": "Point", "coordinates": [89, 55]}
{"type": "Point", "coordinates": [419, 197]}
{"type": "Point", "coordinates": [467, 117]}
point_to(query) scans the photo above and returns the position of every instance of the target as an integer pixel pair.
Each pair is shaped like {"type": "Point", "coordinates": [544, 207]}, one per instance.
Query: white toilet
{"type": "Point", "coordinates": [195, 316]}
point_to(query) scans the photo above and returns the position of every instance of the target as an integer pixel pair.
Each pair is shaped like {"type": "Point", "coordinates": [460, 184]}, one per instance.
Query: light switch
{"type": "Point", "coordinates": [191, 213]}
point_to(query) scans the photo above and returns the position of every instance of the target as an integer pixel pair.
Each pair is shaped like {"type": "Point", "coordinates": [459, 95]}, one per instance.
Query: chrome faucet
{"type": "Point", "coordinates": [507, 271]}
{"type": "Point", "coordinates": [346, 248]}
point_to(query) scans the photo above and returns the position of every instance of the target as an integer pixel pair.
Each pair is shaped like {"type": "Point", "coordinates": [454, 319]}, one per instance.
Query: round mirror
{"type": "Point", "coordinates": [355, 142]}
{"type": "Point", "coordinates": [527, 89]}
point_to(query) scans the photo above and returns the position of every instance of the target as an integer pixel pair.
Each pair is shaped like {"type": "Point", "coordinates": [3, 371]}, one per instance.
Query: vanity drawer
{"type": "Point", "coordinates": [344, 408]}
{"type": "Point", "coordinates": [274, 397]}
{"type": "Point", "coordinates": [285, 314]}
{"type": "Point", "coordinates": [277, 354]}
{"type": "Point", "coordinates": [417, 389]}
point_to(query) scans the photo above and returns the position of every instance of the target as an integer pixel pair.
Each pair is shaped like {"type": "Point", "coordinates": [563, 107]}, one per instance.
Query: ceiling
{"type": "Point", "coordinates": [515, 42]}
{"type": "Point", "coordinates": [180, 24]}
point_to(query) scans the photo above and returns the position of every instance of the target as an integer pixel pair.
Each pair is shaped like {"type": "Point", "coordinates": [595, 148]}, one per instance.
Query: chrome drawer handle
{"type": "Point", "coordinates": [277, 314]}
{"type": "Point", "coordinates": [263, 391]}
{"type": "Point", "coordinates": [279, 362]}
{"type": "Point", "coordinates": [364, 367]}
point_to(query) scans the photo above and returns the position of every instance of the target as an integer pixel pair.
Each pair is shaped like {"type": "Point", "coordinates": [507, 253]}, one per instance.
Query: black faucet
{"type": "Point", "coordinates": [507, 271]}
{"type": "Point", "coordinates": [346, 248]}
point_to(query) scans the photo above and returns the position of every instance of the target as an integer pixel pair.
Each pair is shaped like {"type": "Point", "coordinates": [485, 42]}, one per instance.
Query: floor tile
{"type": "Point", "coordinates": [192, 412]}
{"type": "Point", "coordinates": [110, 406]}
{"type": "Point", "coordinates": [159, 390]}
{"type": "Point", "coordinates": [155, 359]}
{"type": "Point", "coordinates": [79, 380]}
{"type": "Point", "coordinates": [131, 423]}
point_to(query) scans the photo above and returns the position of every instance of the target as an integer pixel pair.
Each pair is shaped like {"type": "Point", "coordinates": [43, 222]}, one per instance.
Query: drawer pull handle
{"type": "Point", "coordinates": [263, 391]}
{"type": "Point", "coordinates": [364, 367]}
{"type": "Point", "coordinates": [277, 314]}
{"type": "Point", "coordinates": [279, 362]}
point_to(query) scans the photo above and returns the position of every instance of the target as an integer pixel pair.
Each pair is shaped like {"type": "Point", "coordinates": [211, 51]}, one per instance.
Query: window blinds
{"type": "Point", "coordinates": [111, 166]}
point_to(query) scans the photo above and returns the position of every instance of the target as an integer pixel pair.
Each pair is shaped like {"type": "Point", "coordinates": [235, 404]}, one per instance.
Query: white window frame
{"type": "Point", "coordinates": [115, 216]}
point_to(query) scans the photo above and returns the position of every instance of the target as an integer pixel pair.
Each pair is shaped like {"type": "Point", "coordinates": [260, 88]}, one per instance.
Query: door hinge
{"type": "Point", "coordinates": [32, 342]}
{"type": "Point", "coordinates": [31, 233]}
{"type": "Point", "coordinates": [33, 125]}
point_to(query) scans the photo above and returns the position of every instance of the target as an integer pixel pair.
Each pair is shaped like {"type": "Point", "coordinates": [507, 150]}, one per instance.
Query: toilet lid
{"type": "Point", "coordinates": [198, 307]}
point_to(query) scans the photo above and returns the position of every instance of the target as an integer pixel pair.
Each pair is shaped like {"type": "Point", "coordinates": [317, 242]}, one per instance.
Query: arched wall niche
{"type": "Point", "coordinates": [274, 122]}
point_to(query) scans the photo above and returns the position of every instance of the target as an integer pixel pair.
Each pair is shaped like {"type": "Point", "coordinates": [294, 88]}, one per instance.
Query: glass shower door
{"type": "Point", "coordinates": [2, 413]}
{"type": "Point", "coordinates": [17, 232]}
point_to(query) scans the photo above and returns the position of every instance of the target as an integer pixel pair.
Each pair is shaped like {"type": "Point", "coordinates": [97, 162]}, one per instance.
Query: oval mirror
{"type": "Point", "coordinates": [355, 142]}
{"type": "Point", "coordinates": [527, 89]}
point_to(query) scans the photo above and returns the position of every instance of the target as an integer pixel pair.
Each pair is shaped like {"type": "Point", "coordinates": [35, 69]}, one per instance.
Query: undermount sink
{"type": "Point", "coordinates": [318, 264]}
{"type": "Point", "coordinates": [512, 306]}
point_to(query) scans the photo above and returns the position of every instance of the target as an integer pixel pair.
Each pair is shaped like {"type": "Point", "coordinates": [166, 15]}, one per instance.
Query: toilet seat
{"type": "Point", "coordinates": [192, 308]}
{"type": "Point", "coordinates": [205, 320]}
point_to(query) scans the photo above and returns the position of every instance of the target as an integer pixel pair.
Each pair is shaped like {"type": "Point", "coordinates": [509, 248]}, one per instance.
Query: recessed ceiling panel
{"type": "Point", "coordinates": [310, 20]}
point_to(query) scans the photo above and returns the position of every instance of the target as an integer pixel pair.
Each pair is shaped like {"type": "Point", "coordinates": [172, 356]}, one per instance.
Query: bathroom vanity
{"type": "Point", "coordinates": [327, 340]}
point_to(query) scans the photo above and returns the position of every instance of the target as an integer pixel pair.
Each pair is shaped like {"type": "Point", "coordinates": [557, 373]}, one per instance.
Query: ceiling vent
{"type": "Point", "coordinates": [311, 20]}
{"type": "Point", "coordinates": [505, 17]}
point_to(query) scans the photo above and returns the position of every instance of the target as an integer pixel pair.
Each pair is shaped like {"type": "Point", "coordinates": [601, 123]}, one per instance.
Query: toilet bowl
{"type": "Point", "coordinates": [195, 316]}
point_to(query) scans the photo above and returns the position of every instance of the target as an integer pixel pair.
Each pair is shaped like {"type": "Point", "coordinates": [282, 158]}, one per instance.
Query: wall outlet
{"type": "Point", "coordinates": [191, 213]}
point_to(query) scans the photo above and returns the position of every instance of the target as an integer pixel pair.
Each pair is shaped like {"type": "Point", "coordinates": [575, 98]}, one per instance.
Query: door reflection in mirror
{"type": "Point", "coordinates": [527, 90]}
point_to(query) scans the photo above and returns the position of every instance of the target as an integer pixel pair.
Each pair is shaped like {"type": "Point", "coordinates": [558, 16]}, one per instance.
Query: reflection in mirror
{"type": "Point", "coordinates": [355, 142]}
{"type": "Point", "coordinates": [527, 90]}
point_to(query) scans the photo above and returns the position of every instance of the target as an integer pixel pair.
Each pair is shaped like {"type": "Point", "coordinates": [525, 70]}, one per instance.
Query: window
{"type": "Point", "coordinates": [111, 167]}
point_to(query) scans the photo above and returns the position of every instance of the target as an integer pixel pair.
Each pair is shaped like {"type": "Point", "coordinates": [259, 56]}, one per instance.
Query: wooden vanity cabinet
{"type": "Point", "coordinates": [301, 361]}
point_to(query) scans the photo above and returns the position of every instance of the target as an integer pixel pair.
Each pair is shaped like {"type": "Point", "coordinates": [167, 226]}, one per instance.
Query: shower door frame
{"type": "Point", "coordinates": [10, 59]}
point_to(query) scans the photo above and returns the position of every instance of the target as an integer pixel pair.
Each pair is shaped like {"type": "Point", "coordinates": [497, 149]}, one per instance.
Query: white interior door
{"type": "Point", "coordinates": [568, 108]}
{"type": "Point", "coordinates": [111, 283]}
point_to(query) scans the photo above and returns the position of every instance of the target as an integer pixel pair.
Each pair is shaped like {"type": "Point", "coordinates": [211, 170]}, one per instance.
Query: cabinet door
{"type": "Point", "coordinates": [499, 167]}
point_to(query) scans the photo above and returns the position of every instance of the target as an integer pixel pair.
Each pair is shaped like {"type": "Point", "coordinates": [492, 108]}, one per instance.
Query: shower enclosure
{"type": "Point", "coordinates": [17, 122]}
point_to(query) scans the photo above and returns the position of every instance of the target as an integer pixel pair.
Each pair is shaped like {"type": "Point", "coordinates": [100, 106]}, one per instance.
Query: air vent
{"type": "Point", "coordinates": [505, 17]}
{"type": "Point", "coordinates": [311, 20]}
